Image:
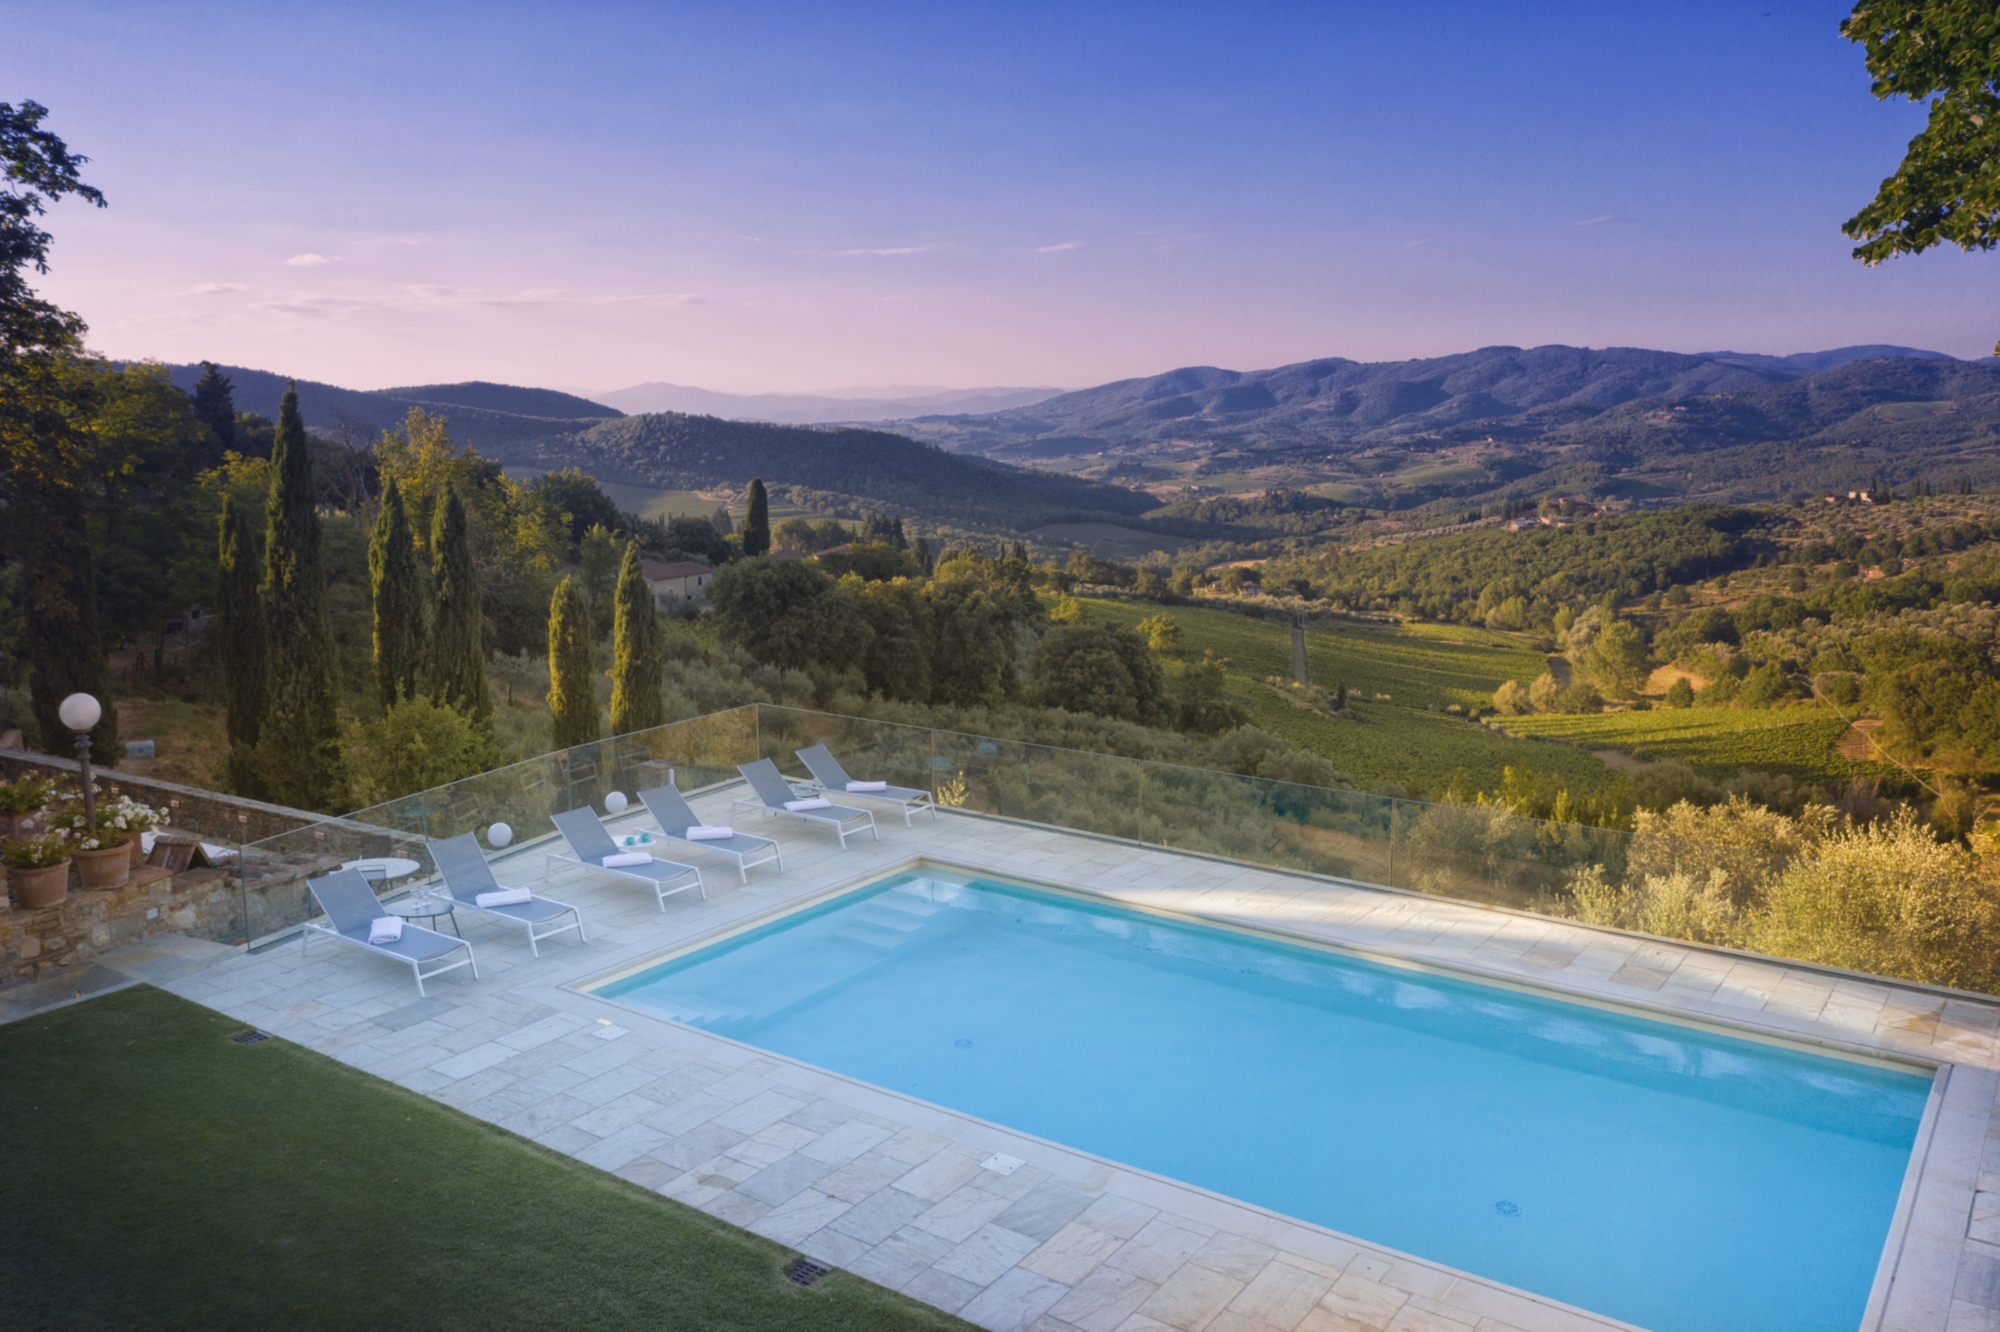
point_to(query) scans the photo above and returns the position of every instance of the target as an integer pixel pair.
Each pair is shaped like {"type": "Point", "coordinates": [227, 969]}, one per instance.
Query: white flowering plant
{"type": "Point", "coordinates": [120, 819]}
{"type": "Point", "coordinates": [37, 852]}
{"type": "Point", "coordinates": [25, 795]}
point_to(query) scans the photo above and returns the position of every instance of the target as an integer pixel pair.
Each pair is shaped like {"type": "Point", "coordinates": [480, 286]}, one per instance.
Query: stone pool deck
{"type": "Point", "coordinates": [1005, 1230]}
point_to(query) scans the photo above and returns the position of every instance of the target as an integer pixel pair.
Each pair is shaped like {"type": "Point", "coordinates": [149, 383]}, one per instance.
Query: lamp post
{"type": "Point", "coordinates": [81, 712]}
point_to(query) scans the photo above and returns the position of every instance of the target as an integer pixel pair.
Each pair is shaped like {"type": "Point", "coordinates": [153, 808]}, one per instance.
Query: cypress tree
{"type": "Point", "coordinates": [65, 653]}
{"type": "Point", "coordinates": [398, 600]}
{"type": "Point", "coordinates": [638, 662]}
{"type": "Point", "coordinates": [572, 668]}
{"type": "Point", "coordinates": [215, 407]}
{"type": "Point", "coordinates": [757, 520]}
{"type": "Point", "coordinates": [458, 655]}
{"type": "Point", "coordinates": [240, 616]}
{"type": "Point", "coordinates": [299, 747]}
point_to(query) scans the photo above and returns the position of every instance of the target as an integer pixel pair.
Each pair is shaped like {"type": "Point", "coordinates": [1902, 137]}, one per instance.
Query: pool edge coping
{"type": "Point", "coordinates": [1896, 1238]}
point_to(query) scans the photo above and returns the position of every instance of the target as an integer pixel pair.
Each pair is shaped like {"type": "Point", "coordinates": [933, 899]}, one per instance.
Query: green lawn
{"type": "Point", "coordinates": [1717, 741]}
{"type": "Point", "coordinates": [158, 1176]}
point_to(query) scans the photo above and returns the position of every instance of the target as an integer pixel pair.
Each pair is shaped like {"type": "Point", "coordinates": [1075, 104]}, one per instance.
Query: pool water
{"type": "Point", "coordinates": [1671, 1176]}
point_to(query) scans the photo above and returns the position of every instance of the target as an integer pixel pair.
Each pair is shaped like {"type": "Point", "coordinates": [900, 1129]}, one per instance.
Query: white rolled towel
{"type": "Point", "coordinates": [702, 833]}
{"type": "Point", "coordinates": [505, 897]}
{"type": "Point", "coordinates": [868, 786]}
{"type": "Point", "coordinates": [628, 858]}
{"type": "Point", "coordinates": [385, 929]}
{"type": "Point", "coordinates": [817, 802]}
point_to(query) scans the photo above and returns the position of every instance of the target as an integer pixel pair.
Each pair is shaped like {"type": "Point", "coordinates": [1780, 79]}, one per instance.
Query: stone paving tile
{"type": "Point", "coordinates": [895, 1192]}
{"type": "Point", "coordinates": [984, 1256]}
{"type": "Point", "coordinates": [1102, 1301]}
{"type": "Point", "coordinates": [1045, 1208]}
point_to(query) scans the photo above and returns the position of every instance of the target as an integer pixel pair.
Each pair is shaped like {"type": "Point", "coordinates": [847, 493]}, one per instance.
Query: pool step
{"type": "Point", "coordinates": [888, 921]}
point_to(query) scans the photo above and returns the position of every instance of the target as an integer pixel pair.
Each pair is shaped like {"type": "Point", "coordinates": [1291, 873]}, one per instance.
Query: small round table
{"type": "Point", "coordinates": [381, 869]}
{"type": "Point", "coordinates": [425, 905]}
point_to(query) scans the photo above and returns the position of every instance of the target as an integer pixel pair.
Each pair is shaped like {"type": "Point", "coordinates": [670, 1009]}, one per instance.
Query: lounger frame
{"type": "Point", "coordinates": [666, 804]}
{"type": "Point", "coordinates": [339, 894]}
{"type": "Point", "coordinates": [468, 861]}
{"type": "Point", "coordinates": [836, 817]}
{"type": "Point", "coordinates": [575, 856]}
{"type": "Point", "coordinates": [830, 778]}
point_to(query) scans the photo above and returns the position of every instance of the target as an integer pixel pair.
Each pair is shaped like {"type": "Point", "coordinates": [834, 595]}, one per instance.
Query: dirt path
{"type": "Point", "coordinates": [1858, 740]}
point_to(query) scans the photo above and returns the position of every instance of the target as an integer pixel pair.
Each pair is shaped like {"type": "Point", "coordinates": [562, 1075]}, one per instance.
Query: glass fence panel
{"type": "Point", "coordinates": [521, 796]}
{"type": "Point", "coordinates": [1658, 883]}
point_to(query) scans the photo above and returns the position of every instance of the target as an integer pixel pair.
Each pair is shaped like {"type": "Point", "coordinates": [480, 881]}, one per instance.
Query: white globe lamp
{"type": "Point", "coordinates": [499, 834]}
{"type": "Point", "coordinates": [615, 802]}
{"type": "Point", "coordinates": [81, 712]}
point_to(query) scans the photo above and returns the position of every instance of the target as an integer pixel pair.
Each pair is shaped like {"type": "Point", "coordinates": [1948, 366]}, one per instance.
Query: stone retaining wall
{"type": "Point", "coordinates": [200, 903]}
{"type": "Point", "coordinates": [34, 943]}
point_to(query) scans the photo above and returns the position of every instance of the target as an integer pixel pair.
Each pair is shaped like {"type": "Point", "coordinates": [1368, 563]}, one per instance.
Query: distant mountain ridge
{"type": "Point", "coordinates": [818, 408]}
{"type": "Point", "coordinates": [675, 451]}
{"type": "Point", "coordinates": [1337, 401]}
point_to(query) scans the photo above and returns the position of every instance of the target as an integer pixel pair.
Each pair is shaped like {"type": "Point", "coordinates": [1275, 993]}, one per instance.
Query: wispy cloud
{"type": "Point", "coordinates": [1417, 244]}
{"type": "Point", "coordinates": [1606, 220]}
{"type": "Point", "coordinates": [424, 297]}
{"type": "Point", "coordinates": [308, 261]}
{"type": "Point", "coordinates": [210, 289]}
{"type": "Point", "coordinates": [1059, 247]}
{"type": "Point", "coordinates": [887, 251]}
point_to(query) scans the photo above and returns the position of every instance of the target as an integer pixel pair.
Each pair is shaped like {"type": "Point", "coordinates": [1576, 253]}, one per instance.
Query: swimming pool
{"type": "Point", "coordinates": [1673, 1176]}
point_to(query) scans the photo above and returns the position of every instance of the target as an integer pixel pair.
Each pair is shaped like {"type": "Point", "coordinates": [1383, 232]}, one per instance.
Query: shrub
{"type": "Point", "coordinates": [1542, 693]}
{"type": "Point", "coordinates": [1099, 668]}
{"type": "Point", "coordinates": [1579, 697]}
{"type": "Point", "coordinates": [1163, 635]}
{"type": "Point", "coordinates": [1886, 898]}
{"type": "Point", "coordinates": [1680, 694]}
{"type": "Point", "coordinates": [1511, 700]}
{"type": "Point", "coordinates": [418, 744]}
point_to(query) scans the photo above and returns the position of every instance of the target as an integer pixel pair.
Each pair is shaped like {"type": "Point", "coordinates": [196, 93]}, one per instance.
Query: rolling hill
{"type": "Point", "coordinates": [862, 466]}
{"type": "Point", "coordinates": [858, 406]}
{"type": "Point", "coordinates": [496, 418]}
{"type": "Point", "coordinates": [854, 469]}
{"type": "Point", "coordinates": [1507, 422]}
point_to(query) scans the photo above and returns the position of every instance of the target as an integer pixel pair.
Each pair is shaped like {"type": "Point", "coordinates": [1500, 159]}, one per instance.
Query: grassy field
{"type": "Point", "coordinates": [1417, 665]}
{"type": "Point", "coordinates": [159, 1176]}
{"type": "Point", "coordinates": [1400, 742]}
{"type": "Point", "coordinates": [1108, 541]}
{"type": "Point", "coordinates": [650, 503]}
{"type": "Point", "coordinates": [1715, 741]}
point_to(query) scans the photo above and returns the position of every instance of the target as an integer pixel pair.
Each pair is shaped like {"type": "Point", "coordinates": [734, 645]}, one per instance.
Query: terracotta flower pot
{"type": "Point", "coordinates": [107, 867]}
{"type": "Point", "coordinates": [39, 887]}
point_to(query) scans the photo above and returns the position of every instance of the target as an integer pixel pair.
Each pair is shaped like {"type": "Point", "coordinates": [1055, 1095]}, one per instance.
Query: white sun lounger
{"type": "Point", "coordinates": [669, 809]}
{"type": "Point", "coordinates": [770, 791]}
{"type": "Point", "coordinates": [833, 779]}
{"type": "Point", "coordinates": [351, 908]}
{"type": "Point", "coordinates": [590, 842]}
{"type": "Point", "coordinates": [462, 866]}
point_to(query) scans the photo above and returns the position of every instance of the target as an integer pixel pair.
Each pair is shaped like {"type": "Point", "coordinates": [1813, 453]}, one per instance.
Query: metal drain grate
{"type": "Point", "coordinates": [250, 1037]}
{"type": "Point", "coordinates": [804, 1272]}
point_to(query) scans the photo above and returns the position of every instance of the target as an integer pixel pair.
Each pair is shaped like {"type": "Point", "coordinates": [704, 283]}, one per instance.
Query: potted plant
{"type": "Point", "coordinates": [135, 818]}
{"type": "Point", "coordinates": [21, 802]}
{"type": "Point", "coordinates": [37, 867]}
{"type": "Point", "coordinates": [103, 858]}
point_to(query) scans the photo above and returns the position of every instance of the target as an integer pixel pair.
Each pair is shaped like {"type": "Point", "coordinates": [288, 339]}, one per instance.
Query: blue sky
{"type": "Point", "coordinates": [775, 197]}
